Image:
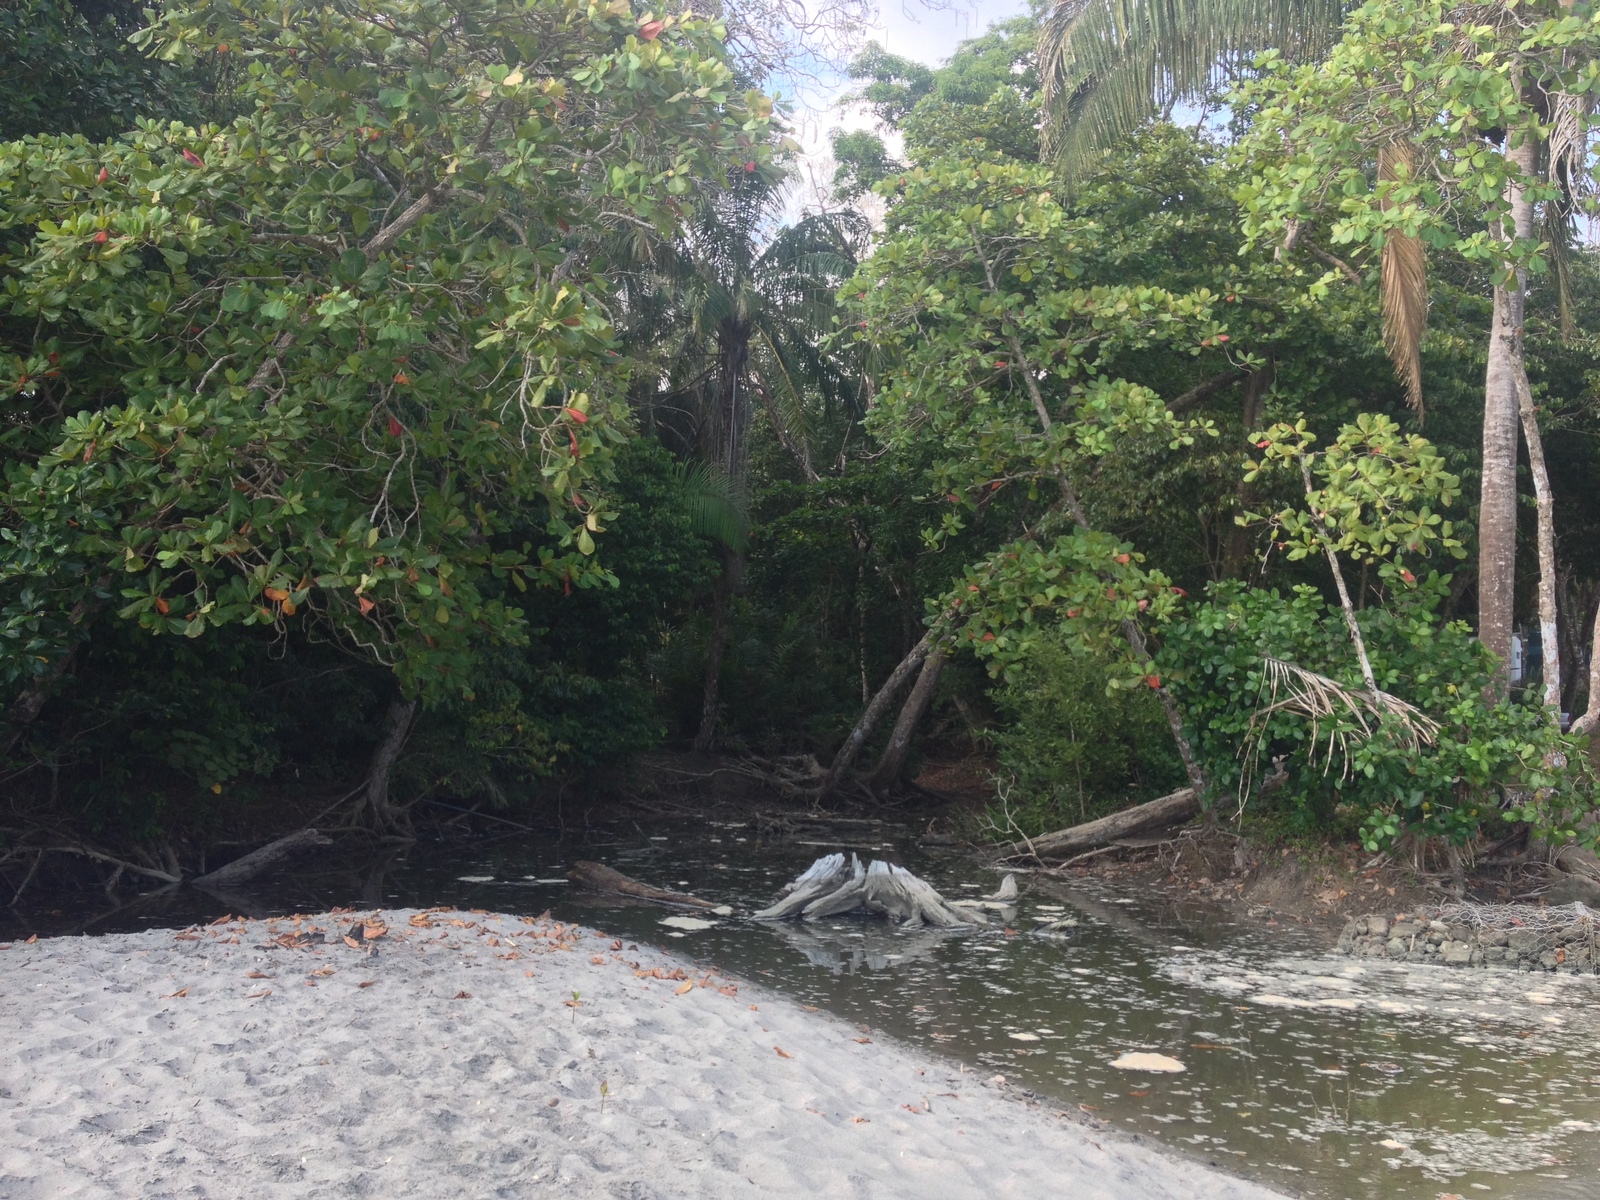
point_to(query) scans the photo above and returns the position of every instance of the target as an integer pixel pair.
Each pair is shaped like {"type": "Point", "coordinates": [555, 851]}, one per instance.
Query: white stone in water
{"type": "Point", "coordinates": [476, 878]}
{"type": "Point", "coordinates": [1028, 1037]}
{"type": "Point", "coordinates": [1155, 1063]}
{"type": "Point", "coordinates": [1391, 1144]}
{"type": "Point", "coordinates": [689, 923]}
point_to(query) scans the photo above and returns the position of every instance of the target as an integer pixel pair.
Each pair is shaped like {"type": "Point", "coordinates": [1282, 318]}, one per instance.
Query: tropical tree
{"type": "Point", "coordinates": [735, 315]}
{"type": "Point", "coordinates": [312, 366]}
{"type": "Point", "coordinates": [1443, 126]}
{"type": "Point", "coordinates": [1109, 66]}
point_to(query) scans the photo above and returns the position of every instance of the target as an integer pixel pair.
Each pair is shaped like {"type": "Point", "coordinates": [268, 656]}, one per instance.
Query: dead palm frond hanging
{"type": "Point", "coordinates": [1403, 280]}
{"type": "Point", "coordinates": [1351, 715]}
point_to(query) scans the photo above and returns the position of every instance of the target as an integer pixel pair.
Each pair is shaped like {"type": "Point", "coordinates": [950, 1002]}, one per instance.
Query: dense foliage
{"type": "Point", "coordinates": [453, 378]}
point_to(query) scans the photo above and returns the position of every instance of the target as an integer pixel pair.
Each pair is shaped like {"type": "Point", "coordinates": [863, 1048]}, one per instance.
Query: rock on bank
{"type": "Point", "coordinates": [450, 1054]}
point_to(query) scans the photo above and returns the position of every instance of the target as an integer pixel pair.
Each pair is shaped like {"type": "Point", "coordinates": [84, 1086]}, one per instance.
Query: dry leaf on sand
{"type": "Point", "coordinates": [687, 987]}
{"type": "Point", "coordinates": [782, 1053]}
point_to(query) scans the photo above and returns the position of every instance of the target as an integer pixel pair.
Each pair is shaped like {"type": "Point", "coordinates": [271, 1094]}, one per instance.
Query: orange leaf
{"type": "Point", "coordinates": [861, 1120]}
{"type": "Point", "coordinates": [179, 992]}
{"type": "Point", "coordinates": [782, 1053]}
{"type": "Point", "coordinates": [289, 608]}
{"type": "Point", "coordinates": [258, 995]}
{"type": "Point", "coordinates": [599, 960]}
{"type": "Point", "coordinates": [351, 942]}
{"type": "Point", "coordinates": [366, 607]}
{"type": "Point", "coordinates": [277, 594]}
{"type": "Point", "coordinates": [682, 988]}
{"type": "Point", "coordinates": [373, 931]}
{"type": "Point", "coordinates": [864, 1041]}
{"type": "Point", "coordinates": [32, 939]}
{"type": "Point", "coordinates": [162, 606]}
{"type": "Point", "coordinates": [651, 30]}
{"type": "Point", "coordinates": [257, 975]}
{"type": "Point", "coordinates": [617, 945]}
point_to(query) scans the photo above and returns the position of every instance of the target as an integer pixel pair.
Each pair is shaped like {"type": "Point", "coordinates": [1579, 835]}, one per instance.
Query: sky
{"type": "Point", "coordinates": [904, 27]}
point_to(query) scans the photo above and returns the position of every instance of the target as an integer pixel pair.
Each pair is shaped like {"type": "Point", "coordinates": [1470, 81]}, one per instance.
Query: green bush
{"type": "Point", "coordinates": [1069, 750]}
{"type": "Point", "coordinates": [1489, 764]}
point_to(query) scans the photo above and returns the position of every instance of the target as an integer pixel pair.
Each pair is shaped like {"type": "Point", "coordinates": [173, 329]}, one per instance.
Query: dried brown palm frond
{"type": "Point", "coordinates": [1403, 281]}
{"type": "Point", "coordinates": [1351, 714]}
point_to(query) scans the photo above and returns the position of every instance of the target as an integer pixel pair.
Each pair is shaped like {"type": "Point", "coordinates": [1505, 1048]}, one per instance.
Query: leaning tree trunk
{"type": "Point", "coordinates": [1549, 631]}
{"type": "Point", "coordinates": [1497, 504]}
{"type": "Point", "coordinates": [894, 754]}
{"type": "Point", "coordinates": [396, 728]}
{"type": "Point", "coordinates": [873, 714]}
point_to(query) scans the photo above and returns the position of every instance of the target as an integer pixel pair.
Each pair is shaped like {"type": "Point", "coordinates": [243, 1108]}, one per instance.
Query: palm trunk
{"type": "Point", "coordinates": [1345, 604]}
{"type": "Point", "coordinates": [1238, 541]}
{"type": "Point", "coordinates": [730, 429]}
{"type": "Point", "coordinates": [710, 694]}
{"type": "Point", "coordinates": [1590, 720]}
{"type": "Point", "coordinates": [1549, 630]}
{"type": "Point", "coordinates": [1497, 504]}
{"type": "Point", "coordinates": [893, 759]}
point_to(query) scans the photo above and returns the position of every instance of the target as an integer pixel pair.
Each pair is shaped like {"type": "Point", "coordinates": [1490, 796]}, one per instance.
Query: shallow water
{"type": "Point", "coordinates": [1328, 1076]}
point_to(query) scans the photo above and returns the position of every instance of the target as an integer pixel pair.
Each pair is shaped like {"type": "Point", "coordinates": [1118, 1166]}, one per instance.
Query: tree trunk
{"type": "Point", "coordinates": [397, 727]}
{"type": "Point", "coordinates": [873, 714]}
{"type": "Point", "coordinates": [1590, 720]}
{"type": "Point", "coordinates": [1349, 609]}
{"type": "Point", "coordinates": [1549, 630]}
{"type": "Point", "coordinates": [1497, 504]}
{"type": "Point", "coordinates": [1157, 814]}
{"type": "Point", "coordinates": [1237, 552]}
{"type": "Point", "coordinates": [894, 754]}
{"type": "Point", "coordinates": [710, 693]}
{"type": "Point", "coordinates": [601, 878]}
{"type": "Point", "coordinates": [241, 870]}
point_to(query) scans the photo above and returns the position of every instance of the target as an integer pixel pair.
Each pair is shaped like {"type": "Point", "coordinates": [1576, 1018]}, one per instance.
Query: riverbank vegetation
{"type": "Point", "coordinates": [446, 403]}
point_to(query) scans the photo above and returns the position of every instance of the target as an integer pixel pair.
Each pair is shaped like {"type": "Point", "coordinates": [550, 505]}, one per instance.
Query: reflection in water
{"type": "Point", "coordinates": [846, 946]}
{"type": "Point", "coordinates": [1334, 1077]}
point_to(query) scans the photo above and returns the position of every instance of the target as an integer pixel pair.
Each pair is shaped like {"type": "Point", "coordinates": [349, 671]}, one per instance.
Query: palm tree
{"type": "Point", "coordinates": [737, 307]}
{"type": "Point", "coordinates": [1108, 66]}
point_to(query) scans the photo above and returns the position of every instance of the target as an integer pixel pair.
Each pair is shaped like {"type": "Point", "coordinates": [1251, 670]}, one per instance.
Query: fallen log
{"type": "Point", "coordinates": [1157, 814]}
{"type": "Point", "coordinates": [264, 859]}
{"type": "Point", "coordinates": [601, 878]}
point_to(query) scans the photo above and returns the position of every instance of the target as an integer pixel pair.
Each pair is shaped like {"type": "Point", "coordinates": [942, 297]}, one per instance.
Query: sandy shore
{"type": "Point", "coordinates": [467, 1055]}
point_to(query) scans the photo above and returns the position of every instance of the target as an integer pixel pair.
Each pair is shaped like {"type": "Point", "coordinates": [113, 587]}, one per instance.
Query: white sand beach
{"type": "Point", "coordinates": [480, 1055]}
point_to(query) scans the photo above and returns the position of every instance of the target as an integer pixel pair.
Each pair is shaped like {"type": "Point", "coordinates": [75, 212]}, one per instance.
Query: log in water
{"type": "Point", "coordinates": [829, 887]}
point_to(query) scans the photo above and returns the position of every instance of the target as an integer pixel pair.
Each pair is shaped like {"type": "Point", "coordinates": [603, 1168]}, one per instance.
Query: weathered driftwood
{"type": "Point", "coordinates": [247, 867]}
{"type": "Point", "coordinates": [1169, 810]}
{"type": "Point", "coordinates": [829, 887]}
{"type": "Point", "coordinates": [821, 878]}
{"type": "Point", "coordinates": [600, 878]}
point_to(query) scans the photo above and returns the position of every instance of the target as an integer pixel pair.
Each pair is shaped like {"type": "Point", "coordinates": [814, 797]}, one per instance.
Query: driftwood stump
{"type": "Point", "coordinates": [829, 887]}
{"type": "Point", "coordinates": [243, 869]}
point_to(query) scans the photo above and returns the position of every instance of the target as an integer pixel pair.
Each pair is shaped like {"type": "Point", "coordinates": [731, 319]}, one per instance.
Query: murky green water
{"type": "Point", "coordinates": [1324, 1075]}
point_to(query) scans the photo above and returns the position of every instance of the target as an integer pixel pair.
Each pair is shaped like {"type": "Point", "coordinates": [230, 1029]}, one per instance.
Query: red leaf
{"type": "Point", "coordinates": [162, 606]}
{"type": "Point", "coordinates": [88, 451]}
{"type": "Point", "coordinates": [750, 168]}
{"type": "Point", "coordinates": [395, 428]}
{"type": "Point", "coordinates": [582, 418]}
{"type": "Point", "coordinates": [1124, 558]}
{"type": "Point", "coordinates": [366, 605]}
{"type": "Point", "coordinates": [402, 378]}
{"type": "Point", "coordinates": [1153, 680]}
{"type": "Point", "coordinates": [101, 238]}
{"type": "Point", "coordinates": [103, 176]}
{"type": "Point", "coordinates": [193, 159]}
{"type": "Point", "coordinates": [462, 996]}
{"type": "Point", "coordinates": [651, 30]}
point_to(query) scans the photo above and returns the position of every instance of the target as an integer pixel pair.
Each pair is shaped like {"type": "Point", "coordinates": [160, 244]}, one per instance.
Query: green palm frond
{"type": "Point", "coordinates": [1110, 65]}
{"type": "Point", "coordinates": [717, 506]}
